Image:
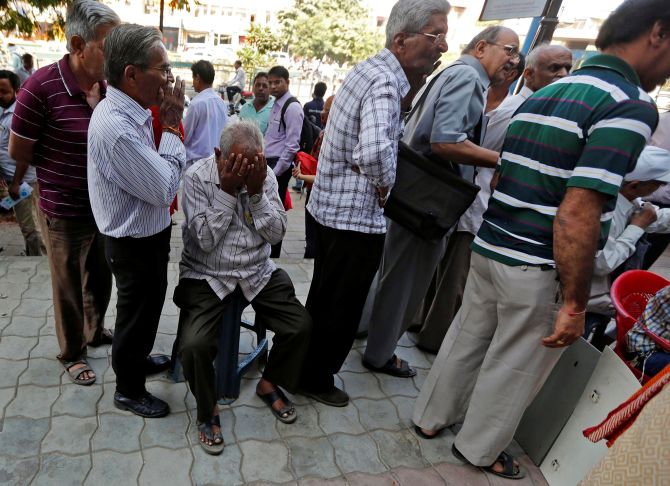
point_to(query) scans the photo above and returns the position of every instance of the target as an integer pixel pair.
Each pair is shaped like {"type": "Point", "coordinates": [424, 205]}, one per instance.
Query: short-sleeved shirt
{"type": "Point", "coordinates": [51, 110]}
{"type": "Point", "coordinates": [7, 164]}
{"type": "Point", "coordinates": [261, 117]}
{"type": "Point", "coordinates": [586, 131]}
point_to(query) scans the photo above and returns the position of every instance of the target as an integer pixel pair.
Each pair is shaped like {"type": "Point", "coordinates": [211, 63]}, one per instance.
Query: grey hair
{"type": "Point", "coordinates": [412, 16]}
{"type": "Point", "coordinates": [84, 17]}
{"type": "Point", "coordinates": [128, 44]}
{"type": "Point", "coordinates": [243, 133]}
{"type": "Point", "coordinates": [534, 55]}
{"type": "Point", "coordinates": [489, 35]}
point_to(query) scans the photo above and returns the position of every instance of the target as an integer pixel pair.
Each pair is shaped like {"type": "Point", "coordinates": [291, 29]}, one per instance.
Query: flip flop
{"type": "Point", "coordinates": [390, 368]}
{"type": "Point", "coordinates": [217, 445]}
{"type": "Point", "coordinates": [75, 374]}
{"type": "Point", "coordinates": [504, 458]}
{"type": "Point", "coordinates": [287, 413]}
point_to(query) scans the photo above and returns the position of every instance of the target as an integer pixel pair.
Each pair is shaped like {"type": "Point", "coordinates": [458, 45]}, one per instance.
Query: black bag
{"type": "Point", "coordinates": [309, 132]}
{"type": "Point", "coordinates": [429, 195]}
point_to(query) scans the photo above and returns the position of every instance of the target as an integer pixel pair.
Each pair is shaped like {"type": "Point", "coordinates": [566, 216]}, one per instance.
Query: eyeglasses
{"type": "Point", "coordinates": [437, 39]}
{"type": "Point", "coordinates": [166, 69]}
{"type": "Point", "coordinates": [511, 51]}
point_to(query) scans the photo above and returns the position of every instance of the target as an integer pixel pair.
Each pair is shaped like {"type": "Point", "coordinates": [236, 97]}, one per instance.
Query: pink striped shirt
{"type": "Point", "coordinates": [51, 109]}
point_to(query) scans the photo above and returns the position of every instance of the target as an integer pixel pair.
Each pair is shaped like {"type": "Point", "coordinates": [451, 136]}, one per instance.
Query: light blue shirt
{"type": "Point", "coordinates": [205, 119]}
{"type": "Point", "coordinates": [7, 164]}
{"type": "Point", "coordinates": [130, 184]}
{"type": "Point", "coordinates": [261, 117]}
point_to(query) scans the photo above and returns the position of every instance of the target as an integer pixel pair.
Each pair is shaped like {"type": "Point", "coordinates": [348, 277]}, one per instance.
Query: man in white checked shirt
{"type": "Point", "coordinates": [131, 186]}
{"type": "Point", "coordinates": [233, 215]}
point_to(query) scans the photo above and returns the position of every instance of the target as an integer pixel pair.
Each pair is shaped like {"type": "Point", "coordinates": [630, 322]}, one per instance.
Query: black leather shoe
{"type": "Point", "coordinates": [333, 397]}
{"type": "Point", "coordinates": [146, 405]}
{"type": "Point", "coordinates": [156, 363]}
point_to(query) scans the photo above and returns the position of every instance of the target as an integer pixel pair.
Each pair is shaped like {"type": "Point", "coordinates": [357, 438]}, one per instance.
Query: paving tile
{"type": "Point", "coordinates": [306, 425]}
{"type": "Point", "coordinates": [168, 432]}
{"type": "Point", "coordinates": [118, 432]}
{"type": "Point", "coordinates": [114, 468]}
{"type": "Point", "coordinates": [406, 340]}
{"type": "Point", "coordinates": [6, 396]}
{"type": "Point", "coordinates": [356, 453]}
{"type": "Point", "coordinates": [223, 469]}
{"type": "Point", "coordinates": [39, 290]}
{"type": "Point", "coordinates": [254, 423]}
{"type": "Point", "coordinates": [414, 356]}
{"type": "Point", "coordinates": [265, 461]}
{"type": "Point", "coordinates": [49, 327]}
{"type": "Point", "coordinates": [10, 371]}
{"type": "Point", "coordinates": [392, 385]}
{"type": "Point", "coordinates": [169, 307]}
{"type": "Point", "coordinates": [405, 407]}
{"type": "Point", "coordinates": [319, 482]}
{"type": "Point", "coordinates": [420, 378]}
{"type": "Point", "coordinates": [15, 347]}
{"type": "Point", "coordinates": [173, 393]}
{"type": "Point", "coordinates": [20, 273]}
{"type": "Point", "coordinates": [17, 472]}
{"type": "Point", "coordinates": [78, 401]}
{"type": "Point", "coordinates": [378, 414]}
{"type": "Point", "coordinates": [418, 477]}
{"type": "Point", "coordinates": [438, 449]}
{"type": "Point", "coordinates": [32, 308]}
{"type": "Point", "coordinates": [32, 401]}
{"type": "Point", "coordinates": [534, 472]}
{"type": "Point", "coordinates": [47, 347]}
{"type": "Point", "coordinates": [168, 324]}
{"type": "Point", "coordinates": [354, 362]}
{"type": "Point", "coordinates": [24, 326]}
{"type": "Point", "coordinates": [98, 352]}
{"type": "Point", "coordinates": [99, 366]}
{"type": "Point", "coordinates": [70, 435]}
{"type": "Point", "coordinates": [21, 437]}
{"type": "Point", "coordinates": [165, 466]}
{"type": "Point", "coordinates": [462, 474]}
{"type": "Point", "coordinates": [361, 385]}
{"type": "Point", "coordinates": [312, 457]}
{"type": "Point", "coordinates": [163, 344]}
{"type": "Point", "coordinates": [4, 320]}
{"type": "Point", "coordinates": [360, 479]}
{"type": "Point", "coordinates": [339, 419]}
{"type": "Point", "coordinates": [62, 470]}
{"type": "Point", "coordinates": [9, 290]}
{"type": "Point", "coordinates": [399, 449]}
{"type": "Point", "coordinates": [43, 372]}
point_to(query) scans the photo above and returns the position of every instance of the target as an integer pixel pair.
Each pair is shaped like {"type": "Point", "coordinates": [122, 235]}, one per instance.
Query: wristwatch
{"type": "Point", "coordinates": [256, 198]}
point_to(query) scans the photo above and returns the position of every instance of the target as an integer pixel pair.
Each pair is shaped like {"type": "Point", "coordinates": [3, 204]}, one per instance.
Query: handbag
{"type": "Point", "coordinates": [429, 194]}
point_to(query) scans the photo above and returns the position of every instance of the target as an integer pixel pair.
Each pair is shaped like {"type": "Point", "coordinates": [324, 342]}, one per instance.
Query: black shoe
{"type": "Point", "coordinates": [146, 405]}
{"type": "Point", "coordinates": [156, 363]}
{"type": "Point", "coordinates": [333, 397]}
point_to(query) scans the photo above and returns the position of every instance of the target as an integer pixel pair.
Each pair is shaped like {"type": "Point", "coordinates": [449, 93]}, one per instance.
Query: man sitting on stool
{"type": "Point", "coordinates": [233, 215]}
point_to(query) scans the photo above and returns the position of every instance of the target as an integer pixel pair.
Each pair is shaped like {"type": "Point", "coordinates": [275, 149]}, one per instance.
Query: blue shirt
{"type": "Point", "coordinates": [131, 185]}
{"type": "Point", "coordinates": [7, 164]}
{"type": "Point", "coordinates": [204, 121]}
{"type": "Point", "coordinates": [261, 117]}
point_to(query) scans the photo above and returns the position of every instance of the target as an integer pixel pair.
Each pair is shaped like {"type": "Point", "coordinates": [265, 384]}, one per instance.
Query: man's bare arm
{"type": "Point", "coordinates": [576, 232]}
{"type": "Point", "coordinates": [21, 150]}
{"type": "Point", "coordinates": [466, 153]}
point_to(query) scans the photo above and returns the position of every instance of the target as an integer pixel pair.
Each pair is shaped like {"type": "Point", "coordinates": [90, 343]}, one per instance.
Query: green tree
{"type": "Point", "coordinates": [22, 15]}
{"type": "Point", "coordinates": [258, 43]}
{"type": "Point", "coordinates": [338, 29]}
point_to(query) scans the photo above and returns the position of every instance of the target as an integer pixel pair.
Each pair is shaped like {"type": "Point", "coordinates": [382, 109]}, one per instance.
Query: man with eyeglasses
{"type": "Point", "coordinates": [132, 185]}
{"type": "Point", "coordinates": [449, 124]}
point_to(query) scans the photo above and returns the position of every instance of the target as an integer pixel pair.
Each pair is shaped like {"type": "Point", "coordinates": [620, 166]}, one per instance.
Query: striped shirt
{"type": "Point", "coordinates": [131, 184]}
{"type": "Point", "coordinates": [52, 111]}
{"type": "Point", "coordinates": [226, 238]}
{"type": "Point", "coordinates": [360, 147]}
{"type": "Point", "coordinates": [585, 131]}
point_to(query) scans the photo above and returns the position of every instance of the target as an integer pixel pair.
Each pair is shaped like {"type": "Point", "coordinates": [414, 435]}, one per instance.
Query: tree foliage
{"type": "Point", "coordinates": [258, 43]}
{"type": "Point", "coordinates": [338, 29]}
{"type": "Point", "coordinates": [22, 15]}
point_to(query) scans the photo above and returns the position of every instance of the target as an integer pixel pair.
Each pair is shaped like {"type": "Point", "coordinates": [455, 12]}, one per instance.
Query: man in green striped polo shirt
{"type": "Point", "coordinates": [566, 152]}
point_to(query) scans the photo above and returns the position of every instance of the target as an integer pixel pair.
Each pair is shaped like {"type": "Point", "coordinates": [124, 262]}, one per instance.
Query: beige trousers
{"type": "Point", "coordinates": [492, 363]}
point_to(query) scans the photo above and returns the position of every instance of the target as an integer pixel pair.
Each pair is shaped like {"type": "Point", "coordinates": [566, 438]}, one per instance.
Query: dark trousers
{"type": "Point", "coordinates": [231, 91]}
{"type": "Point", "coordinates": [200, 323]}
{"type": "Point", "coordinates": [310, 230]}
{"type": "Point", "coordinates": [656, 362]}
{"type": "Point", "coordinates": [81, 282]}
{"type": "Point", "coordinates": [140, 269]}
{"type": "Point", "coordinates": [282, 183]}
{"type": "Point", "coordinates": [344, 266]}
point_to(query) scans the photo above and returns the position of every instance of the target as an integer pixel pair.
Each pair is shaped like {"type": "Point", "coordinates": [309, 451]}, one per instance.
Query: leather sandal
{"type": "Point", "coordinates": [287, 413]}
{"type": "Point", "coordinates": [76, 373]}
{"type": "Point", "coordinates": [217, 445]}
{"type": "Point", "coordinates": [391, 368]}
{"type": "Point", "coordinates": [510, 470]}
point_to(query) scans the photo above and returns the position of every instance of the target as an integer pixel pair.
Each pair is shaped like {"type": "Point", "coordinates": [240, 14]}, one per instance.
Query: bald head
{"type": "Point", "coordinates": [546, 64]}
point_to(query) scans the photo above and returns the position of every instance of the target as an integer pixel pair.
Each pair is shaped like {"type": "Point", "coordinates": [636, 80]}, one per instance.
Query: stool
{"type": "Point", "coordinates": [229, 371]}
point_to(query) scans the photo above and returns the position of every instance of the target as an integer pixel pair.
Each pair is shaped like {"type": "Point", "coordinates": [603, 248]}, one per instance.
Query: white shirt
{"type": "Point", "coordinates": [130, 184]}
{"type": "Point", "coordinates": [226, 238]}
{"type": "Point", "coordinates": [239, 79]}
{"type": "Point", "coordinates": [204, 121]}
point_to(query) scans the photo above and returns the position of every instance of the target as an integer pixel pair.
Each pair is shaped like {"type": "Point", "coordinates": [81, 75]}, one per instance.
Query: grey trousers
{"type": "Point", "coordinates": [442, 306]}
{"type": "Point", "coordinates": [407, 266]}
{"type": "Point", "coordinates": [492, 362]}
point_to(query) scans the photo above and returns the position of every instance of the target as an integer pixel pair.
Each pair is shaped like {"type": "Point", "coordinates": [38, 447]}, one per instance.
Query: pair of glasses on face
{"type": "Point", "coordinates": [167, 70]}
{"type": "Point", "coordinates": [438, 39]}
{"type": "Point", "coordinates": [510, 50]}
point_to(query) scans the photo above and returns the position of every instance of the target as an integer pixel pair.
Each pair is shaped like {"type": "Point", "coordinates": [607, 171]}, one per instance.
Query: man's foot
{"type": "Point", "coordinates": [505, 466]}
{"type": "Point", "coordinates": [281, 407]}
{"type": "Point", "coordinates": [394, 367]}
{"type": "Point", "coordinates": [156, 363]}
{"type": "Point", "coordinates": [333, 397]}
{"type": "Point", "coordinates": [425, 433]}
{"type": "Point", "coordinates": [146, 405]}
{"type": "Point", "coordinates": [211, 439]}
{"type": "Point", "coordinates": [105, 338]}
{"type": "Point", "coordinates": [80, 372]}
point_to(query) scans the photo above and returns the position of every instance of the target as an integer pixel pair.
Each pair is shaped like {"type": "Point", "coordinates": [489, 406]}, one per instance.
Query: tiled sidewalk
{"type": "Point", "coordinates": [53, 432]}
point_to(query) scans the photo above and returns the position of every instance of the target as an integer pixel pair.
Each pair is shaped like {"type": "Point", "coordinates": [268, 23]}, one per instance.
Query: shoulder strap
{"type": "Point", "coordinates": [425, 92]}
{"type": "Point", "coordinates": [292, 99]}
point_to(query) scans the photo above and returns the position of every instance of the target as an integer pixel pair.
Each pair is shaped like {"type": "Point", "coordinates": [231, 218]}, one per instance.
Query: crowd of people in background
{"type": "Point", "coordinates": [102, 139]}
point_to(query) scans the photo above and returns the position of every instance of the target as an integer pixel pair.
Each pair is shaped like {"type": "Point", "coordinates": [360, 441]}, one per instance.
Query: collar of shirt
{"type": "Point", "coordinates": [70, 81]}
{"type": "Point", "coordinates": [279, 102]}
{"type": "Point", "coordinates": [526, 92]}
{"type": "Point", "coordinates": [474, 63]}
{"type": "Point", "coordinates": [394, 65]}
{"type": "Point", "coordinates": [613, 63]}
{"type": "Point", "coordinates": [8, 110]}
{"type": "Point", "coordinates": [130, 107]}
{"type": "Point", "coordinates": [206, 93]}
{"type": "Point", "coordinates": [268, 106]}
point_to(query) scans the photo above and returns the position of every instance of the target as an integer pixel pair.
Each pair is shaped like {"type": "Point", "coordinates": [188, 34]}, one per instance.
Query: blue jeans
{"type": "Point", "coordinates": [656, 362]}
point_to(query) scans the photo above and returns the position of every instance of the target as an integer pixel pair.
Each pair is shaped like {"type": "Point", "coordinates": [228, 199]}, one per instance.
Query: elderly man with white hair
{"type": "Point", "coordinates": [233, 215]}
